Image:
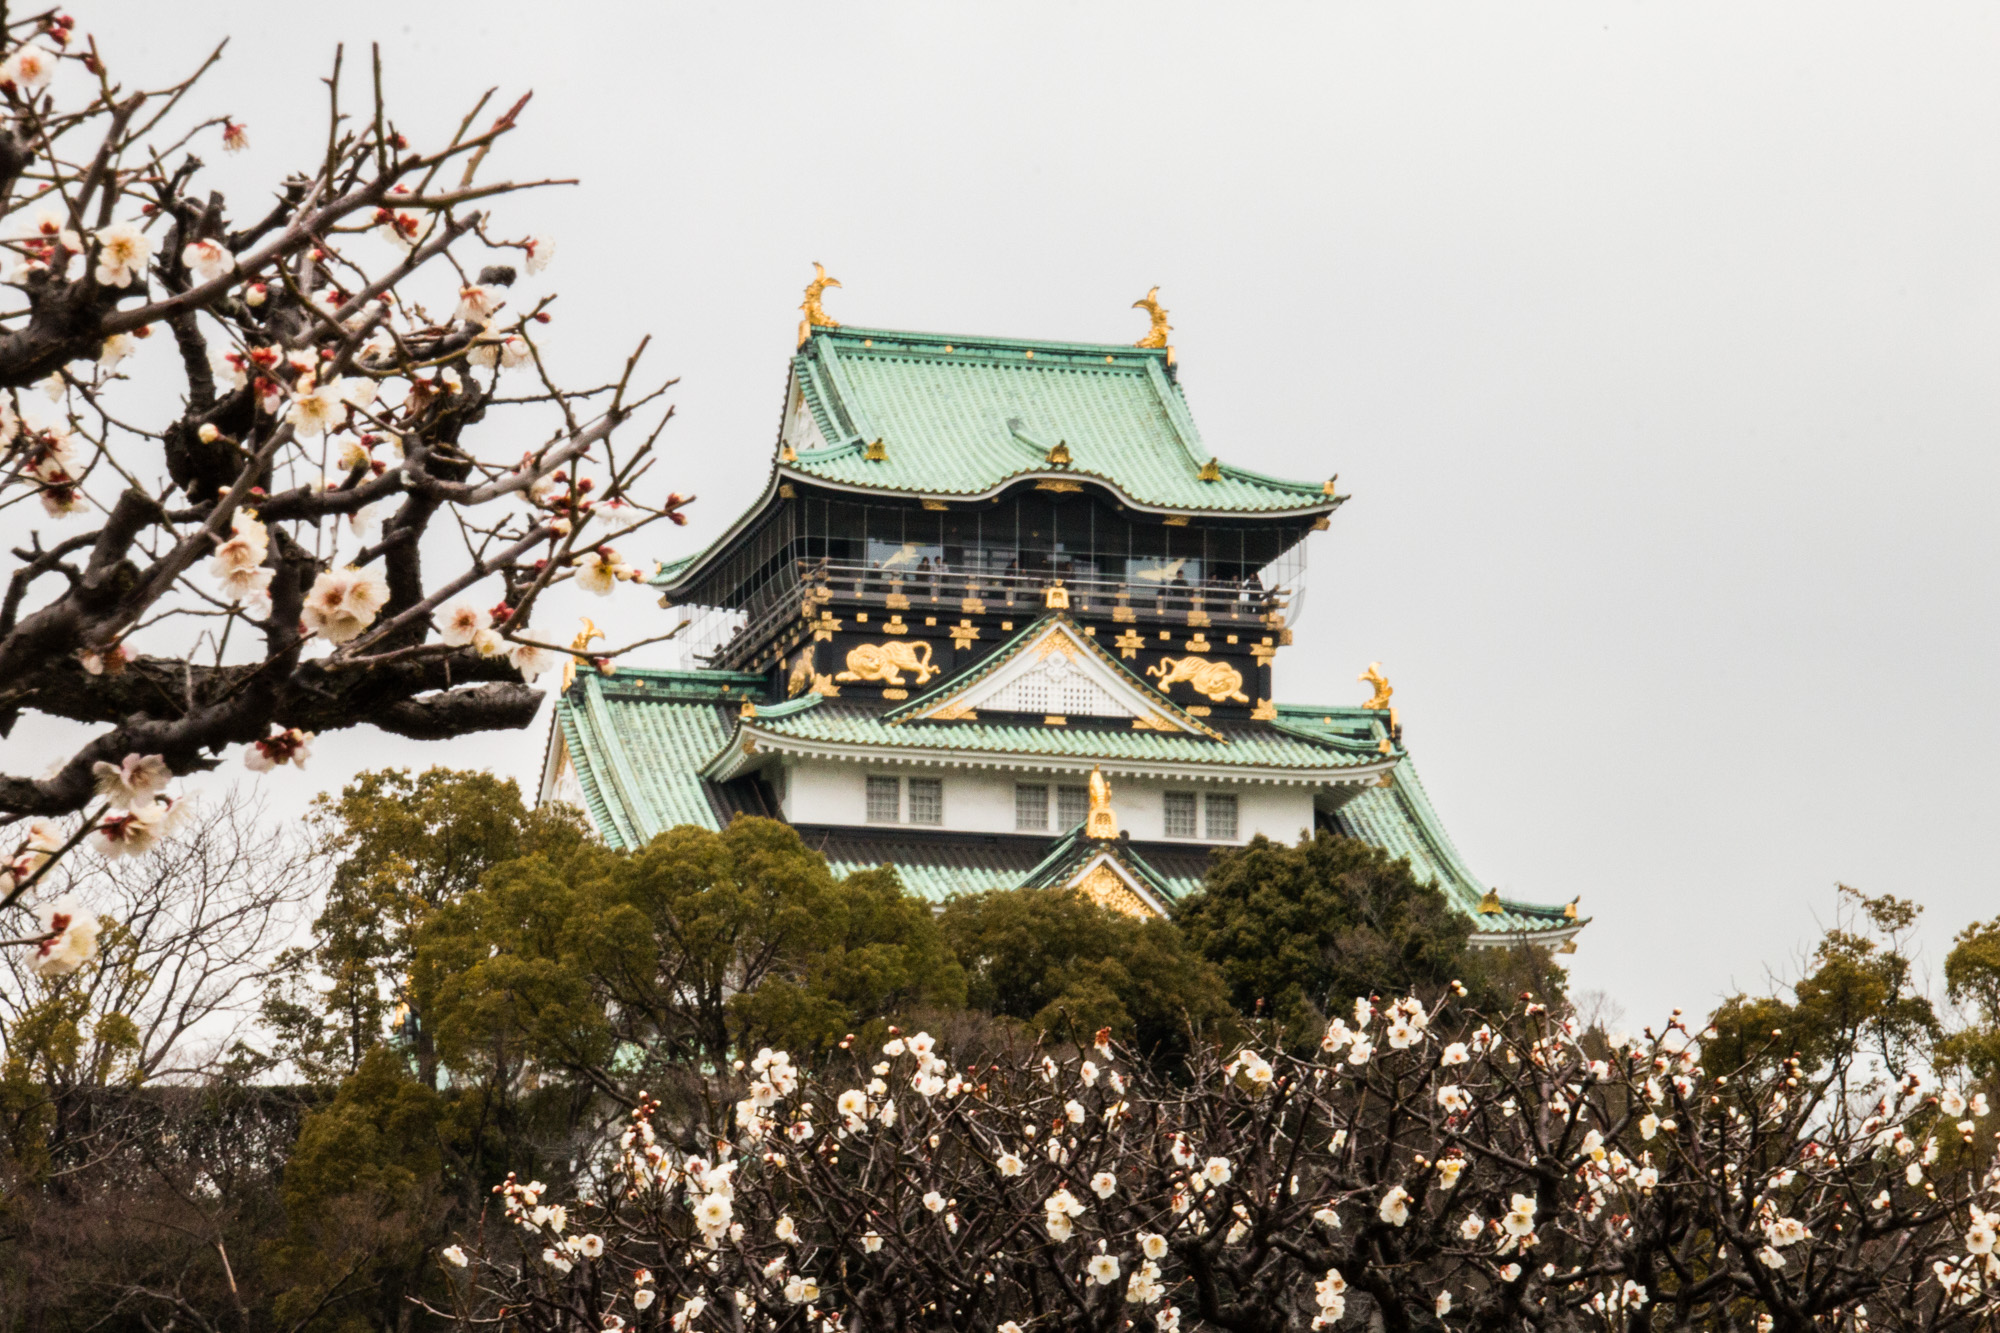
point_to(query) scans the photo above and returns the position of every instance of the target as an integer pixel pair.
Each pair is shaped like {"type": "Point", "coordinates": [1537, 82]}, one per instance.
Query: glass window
{"type": "Point", "coordinates": [1220, 809]}
{"type": "Point", "coordinates": [1163, 571]}
{"type": "Point", "coordinates": [1072, 804]}
{"type": "Point", "coordinates": [905, 557]}
{"type": "Point", "coordinates": [927, 802]}
{"type": "Point", "coordinates": [885, 800]}
{"type": "Point", "coordinates": [1180, 814]}
{"type": "Point", "coordinates": [1031, 807]}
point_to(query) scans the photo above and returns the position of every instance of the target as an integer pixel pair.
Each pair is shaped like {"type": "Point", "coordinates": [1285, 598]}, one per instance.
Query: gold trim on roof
{"type": "Point", "coordinates": [1156, 336]}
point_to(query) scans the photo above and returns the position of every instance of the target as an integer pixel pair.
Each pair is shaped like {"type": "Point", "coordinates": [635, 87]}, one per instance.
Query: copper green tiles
{"type": "Point", "coordinates": [960, 416]}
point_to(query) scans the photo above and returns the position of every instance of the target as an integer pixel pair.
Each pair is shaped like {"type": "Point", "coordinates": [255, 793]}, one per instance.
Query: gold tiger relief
{"type": "Point", "coordinates": [1218, 680]}
{"type": "Point", "coordinates": [887, 662]}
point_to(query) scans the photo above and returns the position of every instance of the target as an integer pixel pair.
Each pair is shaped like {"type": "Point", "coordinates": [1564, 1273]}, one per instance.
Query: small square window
{"type": "Point", "coordinates": [885, 800]}
{"type": "Point", "coordinates": [1220, 822]}
{"type": "Point", "coordinates": [1180, 814]}
{"type": "Point", "coordinates": [927, 801]}
{"type": "Point", "coordinates": [1072, 804]}
{"type": "Point", "coordinates": [1031, 807]}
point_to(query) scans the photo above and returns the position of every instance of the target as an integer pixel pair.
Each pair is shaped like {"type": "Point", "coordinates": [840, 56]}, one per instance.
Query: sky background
{"type": "Point", "coordinates": [1655, 345]}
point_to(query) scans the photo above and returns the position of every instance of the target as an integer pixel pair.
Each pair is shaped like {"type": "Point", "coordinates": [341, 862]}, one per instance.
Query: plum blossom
{"type": "Point", "coordinates": [1152, 1245]}
{"type": "Point", "coordinates": [315, 411]}
{"type": "Point", "coordinates": [133, 782]}
{"type": "Point", "coordinates": [460, 623]}
{"type": "Point", "coordinates": [1216, 1171]}
{"type": "Point", "coordinates": [598, 571]}
{"type": "Point", "coordinates": [343, 602]}
{"type": "Point", "coordinates": [1009, 1164]}
{"type": "Point", "coordinates": [71, 937]}
{"type": "Point", "coordinates": [208, 260]}
{"type": "Point", "coordinates": [540, 250]}
{"type": "Point", "coordinates": [1520, 1218]}
{"type": "Point", "coordinates": [30, 68]}
{"type": "Point", "coordinates": [288, 746]}
{"type": "Point", "coordinates": [454, 1256]}
{"type": "Point", "coordinates": [1104, 1184]}
{"type": "Point", "coordinates": [122, 253]}
{"type": "Point", "coordinates": [532, 661]}
{"type": "Point", "coordinates": [1395, 1207]}
{"type": "Point", "coordinates": [1103, 1269]}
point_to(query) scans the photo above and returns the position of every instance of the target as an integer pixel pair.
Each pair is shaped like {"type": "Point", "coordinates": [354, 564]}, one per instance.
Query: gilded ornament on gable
{"type": "Point", "coordinates": [1154, 722]}
{"type": "Point", "coordinates": [1130, 642]}
{"type": "Point", "coordinates": [1218, 680]}
{"type": "Point", "coordinates": [1103, 887]}
{"type": "Point", "coordinates": [1055, 596]}
{"type": "Point", "coordinates": [1102, 821]}
{"type": "Point", "coordinates": [887, 662]}
{"type": "Point", "coordinates": [1210, 471]}
{"type": "Point", "coordinates": [1373, 675]}
{"type": "Point", "coordinates": [875, 452]}
{"type": "Point", "coordinates": [956, 711]}
{"type": "Point", "coordinates": [1059, 456]}
{"type": "Point", "coordinates": [1052, 643]}
{"type": "Point", "coordinates": [963, 634]}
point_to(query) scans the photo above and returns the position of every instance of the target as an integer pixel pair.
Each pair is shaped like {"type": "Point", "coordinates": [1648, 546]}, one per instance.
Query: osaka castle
{"type": "Point", "coordinates": [1000, 619]}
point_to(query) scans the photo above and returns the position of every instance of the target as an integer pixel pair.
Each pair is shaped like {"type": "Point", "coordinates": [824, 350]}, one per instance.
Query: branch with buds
{"type": "Point", "coordinates": [1427, 1168]}
{"type": "Point", "coordinates": [339, 525]}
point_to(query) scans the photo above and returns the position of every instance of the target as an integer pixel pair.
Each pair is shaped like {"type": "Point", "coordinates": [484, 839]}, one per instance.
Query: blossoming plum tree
{"type": "Point", "coordinates": [1426, 1168]}
{"type": "Point", "coordinates": [365, 483]}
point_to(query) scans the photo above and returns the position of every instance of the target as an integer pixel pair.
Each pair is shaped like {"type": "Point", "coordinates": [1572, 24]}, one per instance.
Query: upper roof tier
{"type": "Point", "coordinates": [964, 417]}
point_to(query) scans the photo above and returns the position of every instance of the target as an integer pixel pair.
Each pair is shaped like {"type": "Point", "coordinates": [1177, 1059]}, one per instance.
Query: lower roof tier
{"type": "Point", "coordinates": [644, 751]}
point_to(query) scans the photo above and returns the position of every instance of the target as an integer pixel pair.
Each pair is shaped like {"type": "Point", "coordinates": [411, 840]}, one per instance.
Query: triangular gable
{"type": "Point", "coordinates": [800, 433]}
{"type": "Point", "coordinates": [1053, 668]}
{"type": "Point", "coordinates": [1108, 882]}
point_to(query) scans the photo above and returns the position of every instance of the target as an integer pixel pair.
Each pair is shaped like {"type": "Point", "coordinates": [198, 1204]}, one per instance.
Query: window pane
{"type": "Point", "coordinates": [885, 805]}
{"type": "Point", "coordinates": [1072, 804]}
{"type": "Point", "coordinates": [927, 801]}
{"type": "Point", "coordinates": [1221, 821]}
{"type": "Point", "coordinates": [1180, 814]}
{"type": "Point", "coordinates": [1031, 807]}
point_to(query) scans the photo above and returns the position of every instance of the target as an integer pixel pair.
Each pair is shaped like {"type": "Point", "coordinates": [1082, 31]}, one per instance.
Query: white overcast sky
{"type": "Point", "coordinates": [1655, 343]}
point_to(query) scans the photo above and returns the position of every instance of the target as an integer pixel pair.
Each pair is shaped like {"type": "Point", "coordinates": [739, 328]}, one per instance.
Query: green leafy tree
{"type": "Point", "coordinates": [1857, 999]}
{"type": "Point", "coordinates": [1299, 931]}
{"type": "Point", "coordinates": [1972, 980]}
{"type": "Point", "coordinates": [617, 971]}
{"type": "Point", "coordinates": [1057, 962]}
{"type": "Point", "coordinates": [403, 847]}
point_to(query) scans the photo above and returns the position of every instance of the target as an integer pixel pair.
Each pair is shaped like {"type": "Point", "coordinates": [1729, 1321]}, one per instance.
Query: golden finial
{"type": "Point", "coordinates": [876, 452]}
{"type": "Point", "coordinates": [1331, 482]}
{"type": "Point", "coordinates": [749, 709]}
{"type": "Point", "coordinates": [816, 316]}
{"type": "Point", "coordinates": [1102, 821]}
{"type": "Point", "coordinates": [1059, 456]}
{"type": "Point", "coordinates": [1373, 675]}
{"type": "Point", "coordinates": [578, 647]}
{"type": "Point", "coordinates": [1157, 335]}
{"type": "Point", "coordinates": [1569, 908]}
{"type": "Point", "coordinates": [1490, 904]}
{"type": "Point", "coordinates": [1210, 471]}
{"type": "Point", "coordinates": [1056, 597]}
{"type": "Point", "coordinates": [788, 455]}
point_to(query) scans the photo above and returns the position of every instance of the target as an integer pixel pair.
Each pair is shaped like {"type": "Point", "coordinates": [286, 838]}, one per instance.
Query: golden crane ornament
{"type": "Point", "coordinates": [1157, 335]}
{"type": "Point", "coordinates": [816, 316]}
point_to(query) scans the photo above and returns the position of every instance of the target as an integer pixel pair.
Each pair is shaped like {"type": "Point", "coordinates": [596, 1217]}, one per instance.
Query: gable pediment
{"type": "Point", "coordinates": [1055, 670]}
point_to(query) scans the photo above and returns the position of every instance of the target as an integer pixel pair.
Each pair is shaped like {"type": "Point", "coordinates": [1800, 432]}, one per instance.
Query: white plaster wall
{"type": "Point", "coordinates": [982, 801]}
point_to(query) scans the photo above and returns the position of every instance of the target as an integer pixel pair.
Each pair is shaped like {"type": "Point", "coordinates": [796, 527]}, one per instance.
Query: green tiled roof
{"type": "Point", "coordinates": [1400, 820]}
{"type": "Point", "coordinates": [963, 416]}
{"type": "Point", "coordinates": [1073, 851]}
{"type": "Point", "coordinates": [637, 741]}
{"type": "Point", "coordinates": [813, 718]}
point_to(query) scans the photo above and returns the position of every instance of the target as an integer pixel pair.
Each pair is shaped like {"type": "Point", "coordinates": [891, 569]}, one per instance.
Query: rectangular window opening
{"type": "Point", "coordinates": [927, 801]}
{"type": "Point", "coordinates": [1072, 804]}
{"type": "Point", "coordinates": [1180, 814]}
{"type": "Point", "coordinates": [885, 800]}
{"type": "Point", "coordinates": [1220, 812]}
{"type": "Point", "coordinates": [1031, 808]}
